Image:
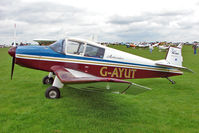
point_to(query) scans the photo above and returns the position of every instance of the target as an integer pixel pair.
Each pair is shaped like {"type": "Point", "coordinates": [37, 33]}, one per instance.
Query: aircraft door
{"type": "Point", "coordinates": [74, 47]}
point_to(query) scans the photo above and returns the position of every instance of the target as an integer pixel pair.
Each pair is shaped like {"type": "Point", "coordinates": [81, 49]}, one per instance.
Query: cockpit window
{"type": "Point", "coordinates": [75, 47]}
{"type": "Point", "coordinates": [93, 51]}
{"type": "Point", "coordinates": [58, 46]}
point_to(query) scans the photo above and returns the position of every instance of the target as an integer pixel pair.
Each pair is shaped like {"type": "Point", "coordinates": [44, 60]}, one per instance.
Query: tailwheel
{"type": "Point", "coordinates": [52, 92]}
{"type": "Point", "coordinates": [47, 80]}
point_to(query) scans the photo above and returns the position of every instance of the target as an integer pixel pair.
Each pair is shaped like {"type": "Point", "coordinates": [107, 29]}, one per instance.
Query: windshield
{"type": "Point", "coordinates": [58, 46]}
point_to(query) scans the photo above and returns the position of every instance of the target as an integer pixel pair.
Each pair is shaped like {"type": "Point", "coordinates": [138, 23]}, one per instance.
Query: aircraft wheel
{"type": "Point", "coordinates": [52, 92]}
{"type": "Point", "coordinates": [47, 80]}
{"type": "Point", "coordinates": [173, 82]}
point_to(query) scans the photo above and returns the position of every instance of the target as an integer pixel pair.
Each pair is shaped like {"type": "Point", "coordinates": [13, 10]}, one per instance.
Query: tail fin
{"type": "Point", "coordinates": [174, 56]}
{"type": "Point", "coordinates": [173, 60]}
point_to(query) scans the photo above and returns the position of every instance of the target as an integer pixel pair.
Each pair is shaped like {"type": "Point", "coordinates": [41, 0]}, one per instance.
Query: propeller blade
{"type": "Point", "coordinates": [13, 66]}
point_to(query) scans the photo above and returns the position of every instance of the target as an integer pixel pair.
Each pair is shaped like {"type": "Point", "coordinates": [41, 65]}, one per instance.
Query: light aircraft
{"type": "Point", "coordinates": [142, 45]}
{"type": "Point", "coordinates": [2, 46]}
{"type": "Point", "coordinates": [88, 65]}
{"type": "Point", "coordinates": [156, 44]}
{"type": "Point", "coordinates": [163, 47]}
{"type": "Point", "coordinates": [44, 41]}
{"type": "Point", "coordinates": [132, 45]}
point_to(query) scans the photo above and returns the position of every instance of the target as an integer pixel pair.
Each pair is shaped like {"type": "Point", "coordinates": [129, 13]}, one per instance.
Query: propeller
{"type": "Point", "coordinates": [13, 66]}
{"type": "Point", "coordinates": [12, 52]}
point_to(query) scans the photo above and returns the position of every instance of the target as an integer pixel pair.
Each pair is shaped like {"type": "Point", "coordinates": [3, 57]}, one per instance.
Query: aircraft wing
{"type": "Point", "coordinates": [68, 76]}
{"type": "Point", "coordinates": [86, 81]}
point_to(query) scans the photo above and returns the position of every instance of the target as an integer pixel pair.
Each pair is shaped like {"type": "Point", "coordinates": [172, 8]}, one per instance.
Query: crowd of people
{"type": "Point", "coordinates": [20, 44]}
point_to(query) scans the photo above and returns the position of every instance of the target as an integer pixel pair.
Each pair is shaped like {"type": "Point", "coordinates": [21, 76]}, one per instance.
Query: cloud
{"type": "Point", "coordinates": [159, 17]}
{"type": "Point", "coordinates": [41, 13]}
{"type": "Point", "coordinates": [173, 13]}
{"type": "Point", "coordinates": [8, 2]}
{"type": "Point", "coordinates": [153, 26]}
{"type": "Point", "coordinates": [55, 20]}
{"type": "Point", "coordinates": [41, 19]}
{"type": "Point", "coordinates": [123, 20]}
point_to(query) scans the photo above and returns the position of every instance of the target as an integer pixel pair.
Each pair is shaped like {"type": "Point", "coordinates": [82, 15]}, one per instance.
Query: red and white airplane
{"type": "Point", "coordinates": [85, 64]}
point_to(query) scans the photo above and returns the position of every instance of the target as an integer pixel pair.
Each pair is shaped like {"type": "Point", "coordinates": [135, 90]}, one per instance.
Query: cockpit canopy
{"type": "Point", "coordinates": [74, 47]}
{"type": "Point", "coordinates": [58, 46]}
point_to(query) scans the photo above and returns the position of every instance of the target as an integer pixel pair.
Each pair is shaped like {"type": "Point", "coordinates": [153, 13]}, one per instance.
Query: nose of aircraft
{"type": "Point", "coordinates": [12, 51]}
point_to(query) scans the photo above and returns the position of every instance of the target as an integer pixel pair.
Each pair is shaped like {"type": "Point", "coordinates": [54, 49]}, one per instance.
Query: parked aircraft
{"type": "Point", "coordinates": [85, 64]}
{"type": "Point", "coordinates": [44, 41]}
{"type": "Point", "coordinates": [142, 45]}
{"type": "Point", "coordinates": [132, 45]}
{"type": "Point", "coordinates": [156, 44]}
{"type": "Point", "coordinates": [163, 47]}
{"type": "Point", "coordinates": [2, 46]}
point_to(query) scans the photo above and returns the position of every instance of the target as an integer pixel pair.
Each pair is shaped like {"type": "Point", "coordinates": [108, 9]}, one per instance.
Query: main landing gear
{"type": "Point", "coordinates": [48, 79]}
{"type": "Point", "coordinates": [53, 91]}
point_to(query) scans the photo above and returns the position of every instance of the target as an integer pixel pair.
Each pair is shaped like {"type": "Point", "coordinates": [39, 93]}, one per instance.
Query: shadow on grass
{"type": "Point", "coordinates": [93, 99]}
{"type": "Point", "coordinates": [97, 104]}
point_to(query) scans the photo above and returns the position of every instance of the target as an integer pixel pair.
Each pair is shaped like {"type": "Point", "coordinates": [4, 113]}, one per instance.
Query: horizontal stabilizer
{"type": "Point", "coordinates": [164, 63]}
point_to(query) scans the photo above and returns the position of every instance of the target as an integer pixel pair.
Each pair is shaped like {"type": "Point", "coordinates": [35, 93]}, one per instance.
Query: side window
{"type": "Point", "coordinates": [75, 47]}
{"type": "Point", "coordinates": [93, 51]}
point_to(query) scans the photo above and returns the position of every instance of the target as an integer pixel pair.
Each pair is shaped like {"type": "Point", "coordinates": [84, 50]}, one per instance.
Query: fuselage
{"type": "Point", "coordinates": [113, 63]}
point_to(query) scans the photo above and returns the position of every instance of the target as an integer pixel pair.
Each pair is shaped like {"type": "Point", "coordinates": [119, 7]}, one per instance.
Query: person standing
{"type": "Point", "coordinates": [150, 48]}
{"type": "Point", "coordinates": [194, 47]}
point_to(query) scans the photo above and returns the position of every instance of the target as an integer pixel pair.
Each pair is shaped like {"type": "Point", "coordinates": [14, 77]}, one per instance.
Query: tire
{"type": "Point", "coordinates": [47, 80]}
{"type": "Point", "coordinates": [52, 92]}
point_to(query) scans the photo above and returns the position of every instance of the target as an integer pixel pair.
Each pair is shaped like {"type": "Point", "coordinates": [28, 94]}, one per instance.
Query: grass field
{"type": "Point", "coordinates": [167, 108]}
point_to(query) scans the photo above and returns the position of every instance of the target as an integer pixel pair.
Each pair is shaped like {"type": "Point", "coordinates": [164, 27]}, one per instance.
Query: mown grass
{"type": "Point", "coordinates": [166, 108]}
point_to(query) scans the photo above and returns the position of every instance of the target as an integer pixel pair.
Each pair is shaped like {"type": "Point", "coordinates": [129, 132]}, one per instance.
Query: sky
{"type": "Point", "coordinates": [108, 20]}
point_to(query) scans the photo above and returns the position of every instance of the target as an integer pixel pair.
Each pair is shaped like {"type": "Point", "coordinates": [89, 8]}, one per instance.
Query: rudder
{"type": "Point", "coordinates": [174, 56]}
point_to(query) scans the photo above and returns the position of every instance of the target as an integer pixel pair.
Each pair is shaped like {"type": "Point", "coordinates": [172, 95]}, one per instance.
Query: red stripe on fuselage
{"type": "Point", "coordinates": [96, 70]}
